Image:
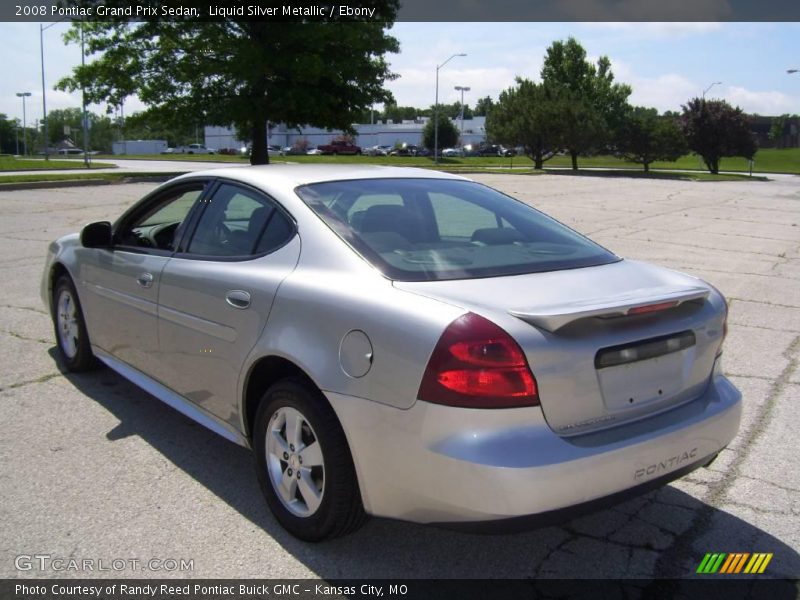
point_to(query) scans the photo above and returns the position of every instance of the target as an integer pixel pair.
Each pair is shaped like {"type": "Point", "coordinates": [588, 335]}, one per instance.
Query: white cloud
{"type": "Point", "coordinates": [769, 103]}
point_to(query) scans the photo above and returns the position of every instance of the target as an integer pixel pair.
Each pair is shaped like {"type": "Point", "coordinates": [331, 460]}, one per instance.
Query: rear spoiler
{"type": "Point", "coordinates": [553, 318]}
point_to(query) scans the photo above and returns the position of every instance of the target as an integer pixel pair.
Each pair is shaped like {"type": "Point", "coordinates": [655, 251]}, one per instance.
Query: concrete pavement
{"type": "Point", "coordinates": [93, 467]}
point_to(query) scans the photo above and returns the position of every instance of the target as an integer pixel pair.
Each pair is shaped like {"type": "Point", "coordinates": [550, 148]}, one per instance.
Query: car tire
{"type": "Point", "coordinates": [69, 326]}
{"type": "Point", "coordinates": [322, 500]}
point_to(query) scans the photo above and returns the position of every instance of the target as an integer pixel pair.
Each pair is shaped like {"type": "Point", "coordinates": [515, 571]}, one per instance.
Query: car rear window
{"type": "Point", "coordinates": [436, 229]}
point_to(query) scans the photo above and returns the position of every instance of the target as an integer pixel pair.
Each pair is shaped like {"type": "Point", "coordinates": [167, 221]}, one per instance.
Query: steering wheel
{"type": "Point", "coordinates": [162, 235]}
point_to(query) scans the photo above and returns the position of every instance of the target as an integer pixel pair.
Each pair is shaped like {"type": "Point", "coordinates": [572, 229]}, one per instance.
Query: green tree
{"type": "Point", "coordinates": [156, 124]}
{"type": "Point", "coordinates": [397, 114]}
{"type": "Point", "coordinates": [525, 115]}
{"type": "Point", "coordinates": [592, 91]}
{"type": "Point", "coordinates": [448, 133]}
{"type": "Point", "coordinates": [242, 72]}
{"type": "Point", "coordinates": [777, 127]}
{"type": "Point", "coordinates": [8, 135]}
{"type": "Point", "coordinates": [454, 110]}
{"type": "Point", "coordinates": [645, 137]}
{"type": "Point", "coordinates": [580, 127]}
{"type": "Point", "coordinates": [484, 106]}
{"type": "Point", "coordinates": [714, 129]}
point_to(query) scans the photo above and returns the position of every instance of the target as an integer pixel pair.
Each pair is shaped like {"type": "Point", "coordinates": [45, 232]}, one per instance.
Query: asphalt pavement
{"type": "Point", "coordinates": [94, 468]}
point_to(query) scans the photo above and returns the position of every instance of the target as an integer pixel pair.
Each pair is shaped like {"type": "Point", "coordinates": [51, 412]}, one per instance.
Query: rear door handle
{"type": "Point", "coordinates": [238, 298]}
{"type": "Point", "coordinates": [145, 280]}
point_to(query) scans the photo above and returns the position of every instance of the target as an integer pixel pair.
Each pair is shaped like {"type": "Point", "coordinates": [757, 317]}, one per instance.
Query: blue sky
{"type": "Point", "coordinates": [665, 63]}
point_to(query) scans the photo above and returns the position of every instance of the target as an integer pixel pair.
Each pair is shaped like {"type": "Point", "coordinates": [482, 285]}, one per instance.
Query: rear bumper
{"type": "Point", "coordinates": [466, 467]}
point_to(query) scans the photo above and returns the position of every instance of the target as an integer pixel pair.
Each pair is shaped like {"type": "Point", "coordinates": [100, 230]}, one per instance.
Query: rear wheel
{"type": "Point", "coordinates": [70, 327]}
{"type": "Point", "coordinates": [304, 465]}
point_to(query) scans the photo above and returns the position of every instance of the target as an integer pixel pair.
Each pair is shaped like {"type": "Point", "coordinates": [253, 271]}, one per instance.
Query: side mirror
{"type": "Point", "coordinates": [96, 235]}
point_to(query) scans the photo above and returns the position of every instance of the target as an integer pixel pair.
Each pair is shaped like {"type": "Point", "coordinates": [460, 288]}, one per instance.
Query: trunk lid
{"type": "Point", "coordinates": [607, 344]}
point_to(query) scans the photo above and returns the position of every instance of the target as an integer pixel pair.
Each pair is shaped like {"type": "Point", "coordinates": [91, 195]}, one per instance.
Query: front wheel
{"type": "Point", "coordinates": [304, 465]}
{"type": "Point", "coordinates": [70, 328]}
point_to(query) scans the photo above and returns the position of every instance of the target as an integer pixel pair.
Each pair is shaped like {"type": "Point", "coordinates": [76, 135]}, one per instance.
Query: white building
{"type": "Point", "coordinates": [367, 134]}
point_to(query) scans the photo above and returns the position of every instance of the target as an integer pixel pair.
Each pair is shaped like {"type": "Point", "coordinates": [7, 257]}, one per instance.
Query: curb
{"type": "Point", "coordinates": [61, 183]}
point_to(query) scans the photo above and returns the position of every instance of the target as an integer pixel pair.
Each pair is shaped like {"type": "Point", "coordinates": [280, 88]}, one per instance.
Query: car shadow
{"type": "Point", "coordinates": [656, 535]}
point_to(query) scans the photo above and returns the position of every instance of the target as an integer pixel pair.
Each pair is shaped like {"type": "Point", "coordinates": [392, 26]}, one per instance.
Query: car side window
{"type": "Point", "coordinates": [239, 222]}
{"type": "Point", "coordinates": [159, 226]}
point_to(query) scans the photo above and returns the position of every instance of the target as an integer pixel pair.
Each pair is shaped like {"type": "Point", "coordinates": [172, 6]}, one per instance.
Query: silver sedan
{"type": "Point", "coordinates": [401, 343]}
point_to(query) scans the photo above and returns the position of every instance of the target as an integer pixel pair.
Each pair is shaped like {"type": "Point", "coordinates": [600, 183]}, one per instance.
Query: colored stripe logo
{"type": "Point", "coordinates": [734, 563]}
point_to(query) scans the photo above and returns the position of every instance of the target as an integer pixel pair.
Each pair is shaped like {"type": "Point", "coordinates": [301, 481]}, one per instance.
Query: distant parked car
{"type": "Point", "coordinates": [379, 150]}
{"type": "Point", "coordinates": [407, 150]}
{"type": "Point", "coordinates": [339, 147]}
{"type": "Point", "coordinates": [314, 151]}
{"type": "Point", "coordinates": [449, 152]}
{"type": "Point", "coordinates": [67, 151]}
{"type": "Point", "coordinates": [494, 150]}
{"type": "Point", "coordinates": [195, 149]}
{"type": "Point", "coordinates": [293, 151]}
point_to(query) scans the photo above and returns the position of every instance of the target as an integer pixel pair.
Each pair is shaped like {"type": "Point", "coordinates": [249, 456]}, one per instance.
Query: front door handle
{"type": "Point", "coordinates": [238, 298]}
{"type": "Point", "coordinates": [145, 280]}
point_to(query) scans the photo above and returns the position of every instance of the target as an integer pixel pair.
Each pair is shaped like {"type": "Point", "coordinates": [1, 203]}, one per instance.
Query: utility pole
{"type": "Point", "coordinates": [436, 111]}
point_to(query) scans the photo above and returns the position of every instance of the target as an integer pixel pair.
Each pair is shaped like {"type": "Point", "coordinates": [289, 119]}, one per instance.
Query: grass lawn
{"type": "Point", "coordinates": [682, 175]}
{"type": "Point", "coordinates": [768, 160]}
{"type": "Point", "coordinates": [10, 163]}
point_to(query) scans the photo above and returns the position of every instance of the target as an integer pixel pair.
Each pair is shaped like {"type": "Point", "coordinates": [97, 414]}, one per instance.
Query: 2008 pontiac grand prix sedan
{"type": "Point", "coordinates": [400, 342]}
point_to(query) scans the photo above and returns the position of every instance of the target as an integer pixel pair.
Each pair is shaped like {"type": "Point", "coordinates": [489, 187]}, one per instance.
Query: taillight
{"type": "Point", "coordinates": [650, 308]}
{"type": "Point", "coordinates": [478, 365]}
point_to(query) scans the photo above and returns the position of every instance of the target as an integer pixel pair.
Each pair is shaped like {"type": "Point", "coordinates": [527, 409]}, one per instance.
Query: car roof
{"type": "Point", "coordinates": [296, 175]}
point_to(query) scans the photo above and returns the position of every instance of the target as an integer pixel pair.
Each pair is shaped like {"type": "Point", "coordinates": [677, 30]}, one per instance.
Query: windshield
{"type": "Point", "coordinates": [435, 229]}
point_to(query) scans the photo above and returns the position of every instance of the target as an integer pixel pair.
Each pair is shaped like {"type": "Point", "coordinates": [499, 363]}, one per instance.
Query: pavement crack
{"type": "Point", "coordinates": [30, 308]}
{"type": "Point", "coordinates": [20, 384]}
{"type": "Point", "coordinates": [670, 563]}
{"type": "Point", "coordinates": [25, 338]}
{"type": "Point", "coordinates": [791, 490]}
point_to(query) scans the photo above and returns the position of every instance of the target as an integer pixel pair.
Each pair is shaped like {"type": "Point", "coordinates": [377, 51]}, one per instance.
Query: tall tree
{"type": "Point", "coordinates": [644, 137]}
{"type": "Point", "coordinates": [714, 129]}
{"type": "Point", "coordinates": [484, 106]}
{"type": "Point", "coordinates": [593, 93]}
{"type": "Point", "coordinates": [777, 128]}
{"type": "Point", "coordinates": [448, 133]}
{"type": "Point", "coordinates": [8, 135]}
{"type": "Point", "coordinates": [525, 115]}
{"type": "Point", "coordinates": [321, 73]}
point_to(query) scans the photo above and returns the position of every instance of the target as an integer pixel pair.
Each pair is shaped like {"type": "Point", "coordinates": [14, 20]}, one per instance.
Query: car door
{"type": "Point", "coordinates": [122, 282]}
{"type": "Point", "coordinates": [217, 292]}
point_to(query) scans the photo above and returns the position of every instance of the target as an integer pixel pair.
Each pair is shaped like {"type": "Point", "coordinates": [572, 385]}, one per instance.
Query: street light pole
{"type": "Point", "coordinates": [709, 87]}
{"type": "Point", "coordinates": [24, 95]}
{"type": "Point", "coordinates": [436, 111]}
{"type": "Point", "coordinates": [462, 89]}
{"type": "Point", "coordinates": [83, 103]}
{"type": "Point", "coordinates": [44, 94]}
